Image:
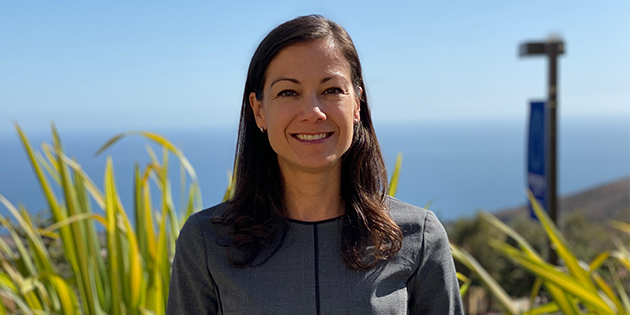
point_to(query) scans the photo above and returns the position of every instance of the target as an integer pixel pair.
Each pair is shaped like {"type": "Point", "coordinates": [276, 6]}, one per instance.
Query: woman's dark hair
{"type": "Point", "coordinates": [256, 213]}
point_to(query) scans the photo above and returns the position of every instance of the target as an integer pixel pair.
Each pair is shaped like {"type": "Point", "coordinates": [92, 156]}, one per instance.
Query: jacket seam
{"type": "Point", "coordinates": [422, 250]}
{"type": "Point", "coordinates": [316, 254]}
{"type": "Point", "coordinates": [214, 284]}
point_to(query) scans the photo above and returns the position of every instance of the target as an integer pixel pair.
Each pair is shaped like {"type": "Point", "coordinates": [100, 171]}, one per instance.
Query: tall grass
{"type": "Point", "coordinates": [123, 270]}
{"type": "Point", "coordinates": [575, 287]}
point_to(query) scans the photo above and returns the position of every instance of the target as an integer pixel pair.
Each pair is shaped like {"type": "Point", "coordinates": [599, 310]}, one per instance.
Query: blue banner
{"type": "Point", "coordinates": [537, 153]}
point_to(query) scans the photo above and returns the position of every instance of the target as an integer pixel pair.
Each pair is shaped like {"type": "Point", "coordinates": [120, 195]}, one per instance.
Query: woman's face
{"type": "Point", "coordinates": [309, 106]}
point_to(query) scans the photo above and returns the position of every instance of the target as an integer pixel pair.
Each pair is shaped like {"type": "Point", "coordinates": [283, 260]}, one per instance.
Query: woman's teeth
{"type": "Point", "coordinates": [311, 137]}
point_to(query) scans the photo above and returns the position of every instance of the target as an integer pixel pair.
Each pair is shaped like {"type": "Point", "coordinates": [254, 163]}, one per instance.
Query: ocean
{"type": "Point", "coordinates": [454, 168]}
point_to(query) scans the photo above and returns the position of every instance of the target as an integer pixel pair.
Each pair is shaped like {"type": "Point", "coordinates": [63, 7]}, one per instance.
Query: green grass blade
{"type": "Point", "coordinates": [548, 273]}
{"type": "Point", "coordinates": [57, 212]}
{"type": "Point", "coordinates": [156, 294]}
{"type": "Point", "coordinates": [96, 263]}
{"type": "Point", "coordinates": [77, 242]}
{"type": "Point", "coordinates": [62, 289]}
{"type": "Point", "coordinates": [466, 283]}
{"type": "Point", "coordinates": [67, 297]}
{"type": "Point", "coordinates": [621, 254]}
{"type": "Point", "coordinates": [609, 293]}
{"type": "Point", "coordinates": [33, 237]}
{"type": "Point", "coordinates": [620, 225]}
{"type": "Point", "coordinates": [141, 228]}
{"type": "Point", "coordinates": [135, 274]}
{"type": "Point", "coordinates": [3, 310]}
{"type": "Point", "coordinates": [160, 141]}
{"type": "Point", "coordinates": [149, 224]}
{"type": "Point", "coordinates": [230, 186]}
{"type": "Point", "coordinates": [461, 277]}
{"type": "Point", "coordinates": [109, 143]}
{"type": "Point", "coordinates": [19, 302]}
{"type": "Point", "coordinates": [566, 304]}
{"type": "Point", "coordinates": [6, 250]}
{"type": "Point", "coordinates": [544, 309]}
{"type": "Point", "coordinates": [43, 181]}
{"type": "Point", "coordinates": [560, 244]}
{"type": "Point", "coordinates": [30, 298]}
{"type": "Point", "coordinates": [112, 240]}
{"type": "Point", "coordinates": [393, 183]}
{"type": "Point", "coordinates": [558, 295]}
{"type": "Point", "coordinates": [24, 256]}
{"type": "Point", "coordinates": [50, 157]}
{"type": "Point", "coordinates": [75, 218]}
{"type": "Point", "coordinates": [535, 290]}
{"type": "Point", "coordinates": [598, 261]}
{"type": "Point", "coordinates": [471, 263]}
{"type": "Point", "coordinates": [6, 283]}
{"type": "Point", "coordinates": [190, 206]}
{"type": "Point", "coordinates": [49, 169]}
{"type": "Point", "coordinates": [522, 243]}
{"type": "Point", "coordinates": [42, 260]}
{"type": "Point", "coordinates": [622, 292]}
{"type": "Point", "coordinates": [85, 182]}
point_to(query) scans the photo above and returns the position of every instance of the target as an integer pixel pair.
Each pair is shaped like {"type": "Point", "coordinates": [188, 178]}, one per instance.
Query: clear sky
{"type": "Point", "coordinates": [120, 65]}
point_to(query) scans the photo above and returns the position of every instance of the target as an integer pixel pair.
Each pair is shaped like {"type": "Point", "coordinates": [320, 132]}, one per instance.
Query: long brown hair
{"type": "Point", "coordinates": [257, 213]}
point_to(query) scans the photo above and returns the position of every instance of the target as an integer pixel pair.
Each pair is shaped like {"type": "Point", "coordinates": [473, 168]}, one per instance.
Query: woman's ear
{"type": "Point", "coordinates": [259, 113]}
{"type": "Point", "coordinates": [357, 107]}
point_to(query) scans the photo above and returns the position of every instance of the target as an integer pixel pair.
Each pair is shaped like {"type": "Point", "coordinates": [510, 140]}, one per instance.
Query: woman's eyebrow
{"type": "Point", "coordinates": [284, 79]}
{"type": "Point", "coordinates": [340, 77]}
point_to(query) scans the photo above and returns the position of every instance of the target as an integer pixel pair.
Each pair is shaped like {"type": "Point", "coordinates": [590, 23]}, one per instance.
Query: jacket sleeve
{"type": "Point", "coordinates": [433, 289]}
{"type": "Point", "coordinates": [192, 289]}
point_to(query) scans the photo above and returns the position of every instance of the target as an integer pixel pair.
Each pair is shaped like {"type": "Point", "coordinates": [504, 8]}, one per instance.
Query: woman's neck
{"type": "Point", "coordinates": [313, 196]}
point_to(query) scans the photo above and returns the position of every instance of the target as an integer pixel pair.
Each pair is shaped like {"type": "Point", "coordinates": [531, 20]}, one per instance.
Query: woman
{"type": "Point", "coordinates": [310, 229]}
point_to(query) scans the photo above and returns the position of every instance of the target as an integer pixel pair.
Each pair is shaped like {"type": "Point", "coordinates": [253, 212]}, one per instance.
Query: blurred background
{"type": "Point", "coordinates": [445, 84]}
{"type": "Point", "coordinates": [444, 80]}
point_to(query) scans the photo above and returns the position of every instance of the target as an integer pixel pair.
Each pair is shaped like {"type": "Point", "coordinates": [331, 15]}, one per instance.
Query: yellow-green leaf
{"type": "Point", "coordinates": [393, 183]}
{"type": "Point", "coordinates": [560, 244]}
{"type": "Point", "coordinates": [598, 261]}
{"type": "Point", "coordinates": [465, 258]}
{"type": "Point", "coordinates": [620, 225]}
{"type": "Point", "coordinates": [548, 273]}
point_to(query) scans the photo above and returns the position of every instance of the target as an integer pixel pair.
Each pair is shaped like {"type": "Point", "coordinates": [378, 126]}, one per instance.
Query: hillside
{"type": "Point", "coordinates": [598, 204]}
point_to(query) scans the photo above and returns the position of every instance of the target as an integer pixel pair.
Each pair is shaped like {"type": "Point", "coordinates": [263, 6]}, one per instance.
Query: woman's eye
{"type": "Point", "coordinates": [287, 93]}
{"type": "Point", "coordinates": [333, 90]}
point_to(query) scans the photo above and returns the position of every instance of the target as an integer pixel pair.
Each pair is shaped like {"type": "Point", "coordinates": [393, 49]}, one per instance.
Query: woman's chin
{"type": "Point", "coordinates": [311, 165]}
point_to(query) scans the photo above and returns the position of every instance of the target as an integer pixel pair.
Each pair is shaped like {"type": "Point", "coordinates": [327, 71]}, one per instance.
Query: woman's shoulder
{"type": "Point", "coordinates": [413, 220]}
{"type": "Point", "coordinates": [200, 223]}
{"type": "Point", "coordinates": [206, 215]}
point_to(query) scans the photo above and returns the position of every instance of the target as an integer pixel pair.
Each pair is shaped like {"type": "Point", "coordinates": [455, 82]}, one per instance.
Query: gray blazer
{"type": "Point", "coordinates": [307, 274]}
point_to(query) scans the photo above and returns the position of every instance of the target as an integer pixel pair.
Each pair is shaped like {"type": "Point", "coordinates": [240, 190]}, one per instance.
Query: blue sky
{"type": "Point", "coordinates": [118, 65]}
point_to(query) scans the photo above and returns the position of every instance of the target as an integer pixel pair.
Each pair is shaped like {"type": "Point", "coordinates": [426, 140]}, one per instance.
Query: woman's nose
{"type": "Point", "coordinates": [313, 109]}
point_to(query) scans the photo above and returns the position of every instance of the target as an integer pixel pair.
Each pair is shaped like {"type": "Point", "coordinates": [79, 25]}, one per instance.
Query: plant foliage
{"type": "Point", "coordinates": [117, 267]}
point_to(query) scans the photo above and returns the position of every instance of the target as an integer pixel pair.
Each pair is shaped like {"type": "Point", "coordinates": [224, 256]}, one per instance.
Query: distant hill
{"type": "Point", "coordinates": [598, 204]}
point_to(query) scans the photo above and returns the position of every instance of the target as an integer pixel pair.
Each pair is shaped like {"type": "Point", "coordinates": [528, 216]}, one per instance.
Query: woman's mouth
{"type": "Point", "coordinates": [312, 137]}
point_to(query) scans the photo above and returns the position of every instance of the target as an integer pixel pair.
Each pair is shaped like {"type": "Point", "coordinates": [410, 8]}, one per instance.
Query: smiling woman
{"type": "Point", "coordinates": [309, 110]}
{"type": "Point", "coordinates": [310, 229]}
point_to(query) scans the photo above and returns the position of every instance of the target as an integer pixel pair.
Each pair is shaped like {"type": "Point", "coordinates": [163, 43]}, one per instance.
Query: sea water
{"type": "Point", "coordinates": [454, 168]}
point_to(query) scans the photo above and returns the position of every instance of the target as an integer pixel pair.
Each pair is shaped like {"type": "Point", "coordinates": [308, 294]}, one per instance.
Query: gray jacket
{"type": "Point", "coordinates": [307, 274]}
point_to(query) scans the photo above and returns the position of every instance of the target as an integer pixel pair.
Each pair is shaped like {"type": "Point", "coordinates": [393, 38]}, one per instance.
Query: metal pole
{"type": "Point", "coordinates": [552, 48]}
{"type": "Point", "coordinates": [552, 53]}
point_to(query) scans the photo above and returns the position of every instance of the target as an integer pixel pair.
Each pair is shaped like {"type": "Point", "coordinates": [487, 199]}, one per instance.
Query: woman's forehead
{"type": "Point", "coordinates": [313, 60]}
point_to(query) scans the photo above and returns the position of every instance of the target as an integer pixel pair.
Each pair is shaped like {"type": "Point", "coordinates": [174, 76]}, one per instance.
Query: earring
{"type": "Point", "coordinates": [262, 129]}
{"type": "Point", "coordinates": [356, 120]}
